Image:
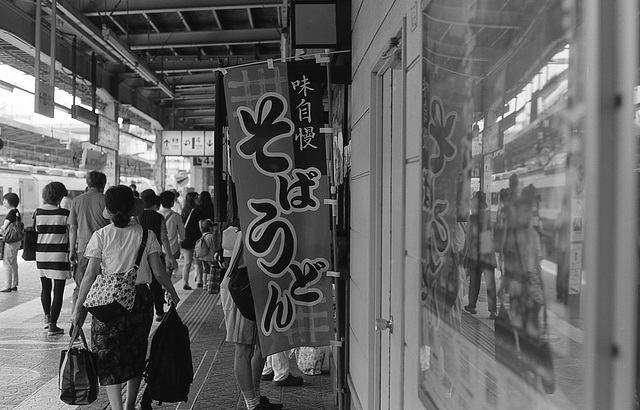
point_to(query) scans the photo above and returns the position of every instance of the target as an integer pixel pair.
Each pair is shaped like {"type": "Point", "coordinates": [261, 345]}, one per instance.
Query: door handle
{"type": "Point", "coordinates": [384, 324]}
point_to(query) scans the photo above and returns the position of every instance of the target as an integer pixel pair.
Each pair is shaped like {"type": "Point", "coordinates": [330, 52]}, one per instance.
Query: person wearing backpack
{"type": "Point", "coordinates": [11, 247]}
{"type": "Point", "coordinates": [205, 250]}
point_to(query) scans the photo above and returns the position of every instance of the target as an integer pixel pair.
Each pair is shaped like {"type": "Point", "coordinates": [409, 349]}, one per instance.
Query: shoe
{"type": "Point", "coordinates": [470, 309]}
{"type": "Point", "coordinates": [54, 330]}
{"type": "Point", "coordinates": [200, 285]}
{"type": "Point", "coordinates": [15, 288]}
{"type": "Point", "coordinates": [266, 377]}
{"type": "Point", "coordinates": [187, 287]}
{"type": "Point", "coordinates": [46, 321]}
{"type": "Point", "coordinates": [267, 405]}
{"type": "Point", "coordinates": [6, 290]}
{"type": "Point", "coordinates": [159, 317]}
{"type": "Point", "coordinates": [291, 380]}
{"type": "Point", "coordinates": [493, 316]}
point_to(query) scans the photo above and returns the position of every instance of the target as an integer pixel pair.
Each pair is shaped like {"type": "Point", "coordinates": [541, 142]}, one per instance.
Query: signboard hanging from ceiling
{"type": "Point", "coordinates": [187, 143]}
{"type": "Point", "coordinates": [107, 135]}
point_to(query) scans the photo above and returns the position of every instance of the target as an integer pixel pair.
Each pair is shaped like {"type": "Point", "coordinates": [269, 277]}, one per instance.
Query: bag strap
{"type": "Point", "coordinates": [188, 218]}
{"type": "Point", "coordinates": [143, 245]}
{"type": "Point", "coordinates": [235, 256]}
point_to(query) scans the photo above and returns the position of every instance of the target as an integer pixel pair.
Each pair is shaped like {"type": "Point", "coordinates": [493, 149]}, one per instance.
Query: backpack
{"type": "Point", "coordinates": [14, 231]}
{"type": "Point", "coordinates": [169, 370]}
{"type": "Point", "coordinates": [202, 249]}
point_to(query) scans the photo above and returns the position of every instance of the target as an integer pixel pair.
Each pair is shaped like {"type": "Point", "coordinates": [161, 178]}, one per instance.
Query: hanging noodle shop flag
{"type": "Point", "coordinates": [279, 165]}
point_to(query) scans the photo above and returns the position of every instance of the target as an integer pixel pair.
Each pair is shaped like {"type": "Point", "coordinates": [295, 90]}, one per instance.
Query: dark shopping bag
{"type": "Point", "coordinates": [214, 279]}
{"type": "Point", "coordinates": [29, 244]}
{"type": "Point", "coordinates": [169, 369]}
{"type": "Point", "coordinates": [77, 379]}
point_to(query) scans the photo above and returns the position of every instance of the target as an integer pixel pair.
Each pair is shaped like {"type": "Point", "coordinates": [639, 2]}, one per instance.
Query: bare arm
{"type": "Point", "coordinates": [73, 237]}
{"type": "Point", "coordinates": [93, 269]}
{"type": "Point", "coordinates": [161, 275]}
{"type": "Point", "coordinates": [166, 245]}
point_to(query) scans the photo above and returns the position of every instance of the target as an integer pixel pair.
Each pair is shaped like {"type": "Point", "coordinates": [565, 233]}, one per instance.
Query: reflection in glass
{"type": "Point", "coordinates": [503, 206]}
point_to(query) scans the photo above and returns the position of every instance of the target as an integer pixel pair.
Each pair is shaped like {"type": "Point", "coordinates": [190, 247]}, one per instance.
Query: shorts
{"type": "Point", "coordinates": [239, 329]}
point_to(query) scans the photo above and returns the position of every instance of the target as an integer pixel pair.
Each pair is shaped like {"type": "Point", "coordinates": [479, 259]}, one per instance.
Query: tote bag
{"type": "Point", "coordinates": [77, 378]}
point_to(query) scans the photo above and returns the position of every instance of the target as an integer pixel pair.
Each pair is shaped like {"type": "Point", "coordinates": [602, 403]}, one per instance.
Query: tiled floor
{"type": "Point", "coordinates": [29, 364]}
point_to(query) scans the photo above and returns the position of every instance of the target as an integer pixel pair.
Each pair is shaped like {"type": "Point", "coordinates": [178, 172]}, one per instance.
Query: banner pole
{"type": "Point", "coordinates": [334, 233]}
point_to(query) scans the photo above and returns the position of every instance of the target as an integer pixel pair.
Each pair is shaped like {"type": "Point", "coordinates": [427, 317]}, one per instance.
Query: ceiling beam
{"type": "Point", "coordinates": [191, 79]}
{"type": "Point", "coordinates": [192, 39]}
{"type": "Point", "coordinates": [184, 63]}
{"type": "Point", "coordinates": [115, 7]}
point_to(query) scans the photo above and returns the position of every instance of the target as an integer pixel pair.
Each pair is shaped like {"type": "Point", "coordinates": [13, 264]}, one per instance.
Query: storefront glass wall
{"type": "Point", "coordinates": [502, 312]}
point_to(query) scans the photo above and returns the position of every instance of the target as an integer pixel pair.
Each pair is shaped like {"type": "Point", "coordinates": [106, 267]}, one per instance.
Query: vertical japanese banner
{"type": "Point", "coordinates": [279, 165]}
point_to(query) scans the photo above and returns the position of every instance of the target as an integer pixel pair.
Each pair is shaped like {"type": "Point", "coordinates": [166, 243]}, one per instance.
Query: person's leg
{"type": "Point", "coordinates": [81, 267]}
{"type": "Point", "coordinates": [206, 270]}
{"type": "Point", "coordinates": [157, 293]}
{"type": "Point", "coordinates": [474, 288]}
{"type": "Point", "coordinates": [242, 368]}
{"type": "Point", "coordinates": [280, 364]}
{"type": "Point", "coordinates": [56, 305]}
{"type": "Point", "coordinates": [267, 370]}
{"type": "Point", "coordinates": [6, 270]}
{"type": "Point", "coordinates": [114, 393]}
{"type": "Point", "coordinates": [188, 261]}
{"type": "Point", "coordinates": [45, 295]}
{"type": "Point", "coordinates": [133, 386]}
{"type": "Point", "coordinates": [11, 258]}
{"type": "Point", "coordinates": [490, 281]}
{"type": "Point", "coordinates": [198, 279]}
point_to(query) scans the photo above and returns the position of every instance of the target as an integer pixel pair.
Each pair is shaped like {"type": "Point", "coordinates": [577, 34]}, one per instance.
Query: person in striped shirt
{"type": "Point", "coordinates": [52, 253]}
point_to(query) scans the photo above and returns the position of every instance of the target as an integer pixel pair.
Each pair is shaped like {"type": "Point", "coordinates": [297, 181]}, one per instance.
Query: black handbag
{"type": "Point", "coordinates": [240, 288]}
{"type": "Point", "coordinates": [29, 244]}
{"type": "Point", "coordinates": [77, 378]}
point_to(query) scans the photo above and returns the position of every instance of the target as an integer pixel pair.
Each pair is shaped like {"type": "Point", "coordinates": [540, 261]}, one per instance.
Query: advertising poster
{"type": "Point", "coordinates": [279, 166]}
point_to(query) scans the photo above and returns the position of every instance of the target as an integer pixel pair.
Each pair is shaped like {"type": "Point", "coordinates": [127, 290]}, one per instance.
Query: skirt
{"type": "Point", "coordinates": [120, 346]}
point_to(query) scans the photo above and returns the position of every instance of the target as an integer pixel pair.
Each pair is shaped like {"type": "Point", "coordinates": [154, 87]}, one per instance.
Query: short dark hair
{"type": "Point", "coordinates": [205, 225]}
{"type": "Point", "coordinates": [167, 199]}
{"type": "Point", "coordinates": [12, 198]}
{"type": "Point", "coordinates": [96, 179]}
{"type": "Point", "coordinates": [53, 192]}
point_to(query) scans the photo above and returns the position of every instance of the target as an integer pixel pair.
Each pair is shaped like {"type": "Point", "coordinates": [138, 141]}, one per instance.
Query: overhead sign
{"type": "Point", "coordinates": [192, 143]}
{"type": "Point", "coordinates": [44, 100]}
{"type": "Point", "coordinates": [203, 162]}
{"type": "Point", "coordinates": [171, 143]}
{"type": "Point", "coordinates": [208, 143]}
{"type": "Point", "coordinates": [108, 133]}
{"type": "Point", "coordinates": [187, 143]}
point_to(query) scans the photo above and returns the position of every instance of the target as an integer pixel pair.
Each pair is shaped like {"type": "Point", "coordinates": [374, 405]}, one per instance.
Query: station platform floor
{"type": "Point", "coordinates": [29, 357]}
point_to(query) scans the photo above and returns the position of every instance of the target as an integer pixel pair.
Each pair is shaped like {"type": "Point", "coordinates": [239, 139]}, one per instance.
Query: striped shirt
{"type": "Point", "coordinates": [52, 250]}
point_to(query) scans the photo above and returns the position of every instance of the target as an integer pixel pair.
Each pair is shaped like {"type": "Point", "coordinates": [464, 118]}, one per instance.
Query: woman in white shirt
{"type": "Point", "coordinates": [120, 345]}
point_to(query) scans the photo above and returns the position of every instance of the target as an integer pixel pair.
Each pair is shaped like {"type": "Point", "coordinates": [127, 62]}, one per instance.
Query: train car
{"type": "Point", "coordinates": [28, 181]}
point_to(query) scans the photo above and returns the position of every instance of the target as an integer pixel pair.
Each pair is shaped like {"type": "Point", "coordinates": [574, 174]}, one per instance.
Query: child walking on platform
{"type": "Point", "coordinates": [205, 250]}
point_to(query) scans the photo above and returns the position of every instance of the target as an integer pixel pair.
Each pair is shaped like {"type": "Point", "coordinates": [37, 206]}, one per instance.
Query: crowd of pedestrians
{"type": "Point", "coordinates": [101, 232]}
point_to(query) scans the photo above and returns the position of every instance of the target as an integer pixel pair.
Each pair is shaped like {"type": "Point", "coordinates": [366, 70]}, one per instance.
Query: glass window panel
{"type": "Point", "coordinates": [503, 206]}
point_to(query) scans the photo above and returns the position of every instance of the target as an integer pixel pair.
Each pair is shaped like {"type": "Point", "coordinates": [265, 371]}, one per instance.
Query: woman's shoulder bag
{"type": "Point", "coordinates": [113, 295]}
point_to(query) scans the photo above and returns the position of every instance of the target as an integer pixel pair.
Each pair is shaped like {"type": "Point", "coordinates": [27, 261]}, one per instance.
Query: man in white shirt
{"type": "Point", "coordinates": [177, 206]}
{"type": "Point", "coordinates": [175, 226]}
